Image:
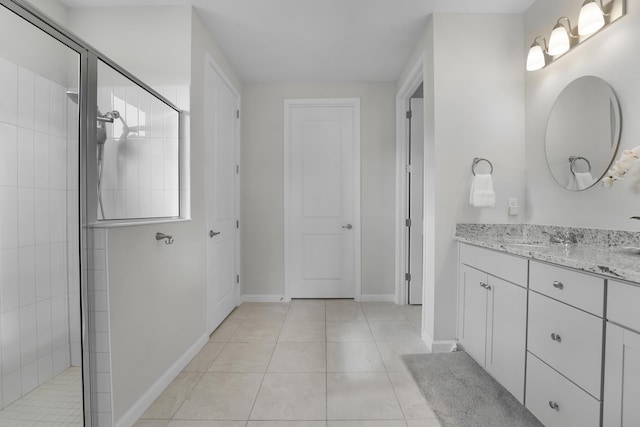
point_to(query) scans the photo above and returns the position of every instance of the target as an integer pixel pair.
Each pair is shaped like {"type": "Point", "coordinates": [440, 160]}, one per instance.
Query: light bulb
{"type": "Point", "coordinates": [559, 42]}
{"type": "Point", "coordinates": [591, 18]}
{"type": "Point", "coordinates": [536, 59]}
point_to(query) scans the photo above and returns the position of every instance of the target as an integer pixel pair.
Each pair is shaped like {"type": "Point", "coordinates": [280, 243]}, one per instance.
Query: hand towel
{"type": "Point", "coordinates": [583, 180]}
{"type": "Point", "coordinates": [482, 194]}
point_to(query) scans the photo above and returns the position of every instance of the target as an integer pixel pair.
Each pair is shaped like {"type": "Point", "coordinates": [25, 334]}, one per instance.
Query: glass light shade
{"type": "Point", "coordinates": [559, 42]}
{"type": "Point", "coordinates": [536, 59]}
{"type": "Point", "coordinates": [591, 18]}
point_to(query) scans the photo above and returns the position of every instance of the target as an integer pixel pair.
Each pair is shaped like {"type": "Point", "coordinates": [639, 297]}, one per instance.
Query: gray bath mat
{"type": "Point", "coordinates": [463, 394]}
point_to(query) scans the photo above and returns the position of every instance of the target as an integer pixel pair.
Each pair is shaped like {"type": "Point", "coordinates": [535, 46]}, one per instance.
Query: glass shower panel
{"type": "Point", "coordinates": [40, 332]}
{"type": "Point", "coordinates": [137, 151]}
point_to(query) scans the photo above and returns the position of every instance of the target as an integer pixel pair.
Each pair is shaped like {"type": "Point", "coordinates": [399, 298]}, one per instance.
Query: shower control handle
{"type": "Point", "coordinates": [213, 233]}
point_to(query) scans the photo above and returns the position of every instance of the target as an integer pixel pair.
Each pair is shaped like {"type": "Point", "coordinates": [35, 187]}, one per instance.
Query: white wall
{"type": "Point", "coordinates": [262, 188]}
{"type": "Point", "coordinates": [610, 55]}
{"type": "Point", "coordinates": [475, 108]}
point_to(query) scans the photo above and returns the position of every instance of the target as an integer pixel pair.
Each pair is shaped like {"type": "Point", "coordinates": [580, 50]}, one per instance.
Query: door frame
{"type": "Point", "coordinates": [209, 63]}
{"type": "Point", "coordinates": [289, 104]}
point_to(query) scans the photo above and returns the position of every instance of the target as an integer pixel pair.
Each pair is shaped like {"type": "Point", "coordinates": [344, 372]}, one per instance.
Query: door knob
{"type": "Point", "coordinates": [213, 233]}
{"type": "Point", "coordinates": [348, 226]}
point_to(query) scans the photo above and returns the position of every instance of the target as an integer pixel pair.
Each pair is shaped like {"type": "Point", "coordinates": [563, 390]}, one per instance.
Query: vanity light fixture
{"type": "Point", "coordinates": [560, 39]}
{"type": "Point", "coordinates": [594, 17]}
{"type": "Point", "coordinates": [537, 57]}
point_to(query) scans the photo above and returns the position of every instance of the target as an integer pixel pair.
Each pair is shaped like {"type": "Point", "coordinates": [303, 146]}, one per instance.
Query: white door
{"type": "Point", "coordinates": [322, 206]}
{"type": "Point", "coordinates": [221, 117]}
{"type": "Point", "coordinates": [473, 333]}
{"type": "Point", "coordinates": [416, 200]}
{"type": "Point", "coordinates": [622, 378]}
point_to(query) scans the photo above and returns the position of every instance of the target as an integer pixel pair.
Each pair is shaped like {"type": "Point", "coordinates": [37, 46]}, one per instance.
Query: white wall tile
{"type": "Point", "coordinates": [11, 387]}
{"type": "Point", "coordinates": [8, 154]}
{"type": "Point", "coordinates": [99, 259]}
{"type": "Point", "coordinates": [27, 271]}
{"type": "Point", "coordinates": [9, 280]}
{"type": "Point", "coordinates": [41, 216]}
{"type": "Point", "coordinates": [61, 359]}
{"type": "Point", "coordinates": [10, 342]}
{"type": "Point", "coordinates": [29, 376]}
{"type": "Point", "coordinates": [103, 383]}
{"type": "Point", "coordinates": [41, 160]}
{"type": "Point", "coordinates": [43, 273]}
{"type": "Point", "coordinates": [59, 325]}
{"type": "Point", "coordinates": [101, 321]}
{"type": "Point", "coordinates": [103, 402]}
{"type": "Point", "coordinates": [43, 322]}
{"type": "Point", "coordinates": [9, 217]}
{"type": "Point", "coordinates": [57, 110]}
{"type": "Point", "coordinates": [103, 419]}
{"type": "Point", "coordinates": [26, 158]}
{"type": "Point", "coordinates": [26, 217]}
{"type": "Point", "coordinates": [28, 334]}
{"type": "Point", "coordinates": [57, 216]}
{"type": "Point", "coordinates": [76, 354]}
{"type": "Point", "coordinates": [100, 302]}
{"type": "Point", "coordinates": [58, 269]}
{"type": "Point", "coordinates": [41, 105]}
{"type": "Point", "coordinates": [102, 342]}
{"type": "Point", "coordinates": [57, 160]}
{"type": "Point", "coordinates": [26, 88]}
{"type": "Point", "coordinates": [45, 368]}
{"type": "Point", "coordinates": [9, 91]}
{"type": "Point", "coordinates": [103, 362]}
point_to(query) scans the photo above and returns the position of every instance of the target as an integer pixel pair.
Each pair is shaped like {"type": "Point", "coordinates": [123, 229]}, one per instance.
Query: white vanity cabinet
{"type": "Point", "coordinates": [493, 313]}
{"type": "Point", "coordinates": [622, 361]}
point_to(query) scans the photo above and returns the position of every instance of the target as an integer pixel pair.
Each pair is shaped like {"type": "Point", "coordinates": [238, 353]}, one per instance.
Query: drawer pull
{"type": "Point", "coordinates": [558, 285]}
{"type": "Point", "coordinates": [556, 338]}
{"type": "Point", "coordinates": [554, 405]}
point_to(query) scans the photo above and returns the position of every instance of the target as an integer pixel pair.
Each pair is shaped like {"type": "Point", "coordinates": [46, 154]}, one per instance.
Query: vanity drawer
{"type": "Point", "coordinates": [577, 289]}
{"type": "Point", "coordinates": [622, 304]}
{"type": "Point", "coordinates": [567, 339]}
{"type": "Point", "coordinates": [507, 267]}
{"type": "Point", "coordinates": [546, 388]}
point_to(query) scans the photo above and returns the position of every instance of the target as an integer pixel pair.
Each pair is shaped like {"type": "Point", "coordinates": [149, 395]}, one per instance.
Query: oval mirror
{"type": "Point", "coordinates": [583, 133]}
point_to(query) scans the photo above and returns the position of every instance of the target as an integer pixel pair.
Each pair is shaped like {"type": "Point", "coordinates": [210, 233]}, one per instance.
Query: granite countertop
{"type": "Point", "coordinates": [599, 256]}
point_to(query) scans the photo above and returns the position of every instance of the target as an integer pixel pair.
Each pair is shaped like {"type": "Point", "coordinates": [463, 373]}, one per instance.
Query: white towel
{"type": "Point", "coordinates": [482, 194]}
{"type": "Point", "coordinates": [583, 180]}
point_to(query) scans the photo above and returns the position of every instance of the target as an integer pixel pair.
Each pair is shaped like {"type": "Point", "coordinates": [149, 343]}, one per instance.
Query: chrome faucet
{"type": "Point", "coordinates": [563, 237]}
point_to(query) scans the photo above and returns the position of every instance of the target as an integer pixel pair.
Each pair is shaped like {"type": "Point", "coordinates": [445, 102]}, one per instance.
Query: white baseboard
{"type": "Point", "coordinates": [442, 346]}
{"type": "Point", "coordinates": [131, 416]}
{"type": "Point", "coordinates": [377, 298]}
{"type": "Point", "coordinates": [263, 298]}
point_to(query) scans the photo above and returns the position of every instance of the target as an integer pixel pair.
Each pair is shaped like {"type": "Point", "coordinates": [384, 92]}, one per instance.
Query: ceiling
{"type": "Point", "coordinates": [319, 40]}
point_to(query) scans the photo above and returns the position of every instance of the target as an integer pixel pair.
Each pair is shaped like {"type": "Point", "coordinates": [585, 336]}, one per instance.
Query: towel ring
{"type": "Point", "coordinates": [574, 159]}
{"type": "Point", "coordinates": [478, 160]}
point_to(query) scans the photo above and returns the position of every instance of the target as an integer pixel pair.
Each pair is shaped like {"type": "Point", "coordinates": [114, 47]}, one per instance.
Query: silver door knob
{"type": "Point", "coordinates": [348, 226]}
{"type": "Point", "coordinates": [554, 405]}
{"type": "Point", "coordinates": [556, 337]}
{"type": "Point", "coordinates": [213, 233]}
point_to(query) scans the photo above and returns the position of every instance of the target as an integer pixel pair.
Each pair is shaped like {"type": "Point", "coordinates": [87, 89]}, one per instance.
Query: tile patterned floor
{"type": "Point", "coordinates": [308, 363]}
{"type": "Point", "coordinates": [58, 402]}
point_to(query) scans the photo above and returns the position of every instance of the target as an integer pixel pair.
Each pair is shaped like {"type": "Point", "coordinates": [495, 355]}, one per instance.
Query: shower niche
{"type": "Point", "coordinates": [136, 167]}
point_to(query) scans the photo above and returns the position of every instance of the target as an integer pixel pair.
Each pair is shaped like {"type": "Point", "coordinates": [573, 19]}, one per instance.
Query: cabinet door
{"type": "Point", "coordinates": [622, 378]}
{"type": "Point", "coordinates": [506, 335]}
{"type": "Point", "coordinates": [473, 299]}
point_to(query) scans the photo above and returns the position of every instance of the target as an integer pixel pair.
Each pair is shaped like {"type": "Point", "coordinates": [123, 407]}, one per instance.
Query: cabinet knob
{"type": "Point", "coordinates": [556, 338]}
{"type": "Point", "coordinates": [554, 405]}
{"type": "Point", "coordinates": [484, 285]}
{"type": "Point", "coordinates": [558, 285]}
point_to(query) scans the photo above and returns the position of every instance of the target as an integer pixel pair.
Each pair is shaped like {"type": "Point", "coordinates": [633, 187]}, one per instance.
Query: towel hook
{"type": "Point", "coordinates": [477, 160]}
{"type": "Point", "coordinates": [168, 239]}
{"type": "Point", "coordinates": [574, 159]}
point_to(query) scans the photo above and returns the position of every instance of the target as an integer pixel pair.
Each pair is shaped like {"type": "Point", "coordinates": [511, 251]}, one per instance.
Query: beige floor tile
{"type": "Point", "coordinates": [166, 405]}
{"type": "Point", "coordinates": [412, 312]}
{"type": "Point", "coordinates": [239, 313]}
{"type": "Point", "coordinates": [383, 311]}
{"type": "Point", "coordinates": [243, 357]}
{"type": "Point", "coordinates": [348, 332]}
{"type": "Point", "coordinates": [302, 332]}
{"type": "Point", "coordinates": [287, 424]}
{"type": "Point", "coordinates": [308, 303]}
{"type": "Point", "coordinates": [306, 313]}
{"type": "Point", "coordinates": [257, 332]}
{"type": "Point", "coordinates": [204, 359]}
{"type": "Point", "coordinates": [423, 423]}
{"type": "Point", "coordinates": [361, 396]}
{"type": "Point", "coordinates": [412, 402]}
{"type": "Point", "coordinates": [392, 331]}
{"type": "Point", "coordinates": [368, 423]}
{"type": "Point", "coordinates": [392, 352]}
{"type": "Point", "coordinates": [271, 313]}
{"type": "Point", "coordinates": [291, 397]}
{"type": "Point", "coordinates": [221, 396]}
{"type": "Point", "coordinates": [298, 357]}
{"type": "Point", "coordinates": [151, 423]}
{"type": "Point", "coordinates": [344, 312]}
{"type": "Point", "coordinates": [353, 357]}
{"type": "Point", "coordinates": [185, 423]}
{"type": "Point", "coordinates": [225, 331]}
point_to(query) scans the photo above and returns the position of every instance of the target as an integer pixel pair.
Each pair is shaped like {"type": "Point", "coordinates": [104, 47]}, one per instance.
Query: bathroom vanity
{"type": "Point", "coordinates": [557, 325]}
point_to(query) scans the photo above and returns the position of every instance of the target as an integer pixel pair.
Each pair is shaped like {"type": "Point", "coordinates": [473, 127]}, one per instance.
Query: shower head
{"type": "Point", "coordinates": [72, 95]}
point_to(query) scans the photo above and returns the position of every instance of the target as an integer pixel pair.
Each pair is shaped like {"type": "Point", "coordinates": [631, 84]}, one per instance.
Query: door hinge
{"type": "Point", "coordinates": [408, 168]}
{"type": "Point", "coordinates": [237, 223]}
{"type": "Point", "coordinates": [408, 222]}
{"type": "Point", "coordinates": [407, 277]}
{"type": "Point", "coordinates": [237, 114]}
{"type": "Point", "coordinates": [237, 278]}
{"type": "Point", "coordinates": [409, 114]}
{"type": "Point", "coordinates": [237, 168]}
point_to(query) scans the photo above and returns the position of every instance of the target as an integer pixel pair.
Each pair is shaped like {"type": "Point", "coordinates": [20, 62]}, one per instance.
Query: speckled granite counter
{"type": "Point", "coordinates": [604, 252]}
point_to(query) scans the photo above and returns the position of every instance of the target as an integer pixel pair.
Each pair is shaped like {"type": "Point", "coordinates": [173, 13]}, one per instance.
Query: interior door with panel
{"type": "Point", "coordinates": [321, 210]}
{"type": "Point", "coordinates": [473, 322]}
{"type": "Point", "coordinates": [221, 111]}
